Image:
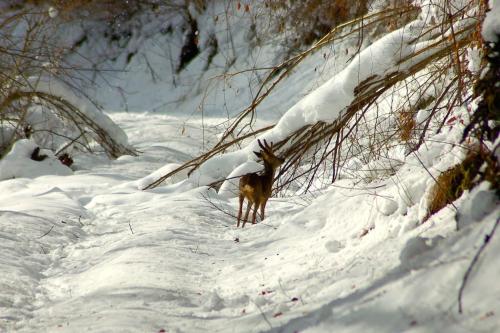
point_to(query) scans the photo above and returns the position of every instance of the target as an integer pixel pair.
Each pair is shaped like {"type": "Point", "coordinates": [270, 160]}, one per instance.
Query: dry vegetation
{"type": "Point", "coordinates": [31, 56]}
{"type": "Point", "coordinates": [462, 177]}
{"type": "Point", "coordinates": [436, 83]}
{"type": "Point", "coordinates": [480, 163]}
{"type": "Point", "coordinates": [310, 20]}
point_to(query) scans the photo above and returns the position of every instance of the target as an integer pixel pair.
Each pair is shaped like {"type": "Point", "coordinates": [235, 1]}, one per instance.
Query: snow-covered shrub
{"type": "Point", "coordinates": [19, 162]}
{"type": "Point", "coordinates": [39, 91]}
{"type": "Point", "coordinates": [398, 92]}
{"type": "Point", "coordinates": [485, 122]}
{"type": "Point", "coordinates": [453, 182]}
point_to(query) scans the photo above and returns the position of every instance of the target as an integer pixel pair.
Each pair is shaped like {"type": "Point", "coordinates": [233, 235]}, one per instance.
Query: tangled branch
{"type": "Point", "coordinates": [308, 149]}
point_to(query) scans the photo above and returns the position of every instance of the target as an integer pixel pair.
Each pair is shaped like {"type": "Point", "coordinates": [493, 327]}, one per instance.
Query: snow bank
{"type": "Point", "coordinates": [36, 221]}
{"type": "Point", "coordinates": [145, 181]}
{"type": "Point", "coordinates": [100, 119]}
{"type": "Point", "coordinates": [18, 163]}
{"type": "Point", "coordinates": [147, 261]}
{"type": "Point", "coordinates": [491, 24]}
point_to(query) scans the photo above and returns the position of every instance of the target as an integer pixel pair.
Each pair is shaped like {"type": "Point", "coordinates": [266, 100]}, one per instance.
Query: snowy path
{"type": "Point", "coordinates": [151, 261]}
{"type": "Point", "coordinates": [142, 261]}
{"type": "Point", "coordinates": [171, 260]}
{"type": "Point", "coordinates": [156, 256]}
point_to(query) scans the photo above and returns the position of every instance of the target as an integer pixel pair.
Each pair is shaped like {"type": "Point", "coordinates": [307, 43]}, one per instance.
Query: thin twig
{"type": "Point", "coordinates": [486, 241]}
{"type": "Point", "coordinates": [302, 148]}
{"type": "Point", "coordinates": [263, 315]}
{"type": "Point", "coordinates": [217, 207]}
{"type": "Point", "coordinates": [69, 143]}
{"type": "Point", "coordinates": [45, 234]}
{"type": "Point", "coordinates": [229, 214]}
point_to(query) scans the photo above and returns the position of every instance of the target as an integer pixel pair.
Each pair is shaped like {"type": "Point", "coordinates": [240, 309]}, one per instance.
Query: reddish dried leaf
{"type": "Point", "coordinates": [363, 232]}
{"type": "Point", "coordinates": [487, 315]}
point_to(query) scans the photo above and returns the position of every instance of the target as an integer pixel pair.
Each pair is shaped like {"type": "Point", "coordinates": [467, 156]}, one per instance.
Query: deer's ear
{"type": "Point", "coordinates": [259, 155]}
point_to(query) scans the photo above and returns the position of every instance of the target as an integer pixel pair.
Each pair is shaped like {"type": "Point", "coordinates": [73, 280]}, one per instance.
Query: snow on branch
{"type": "Point", "coordinates": [87, 117]}
{"type": "Point", "coordinates": [86, 121]}
{"type": "Point", "coordinates": [325, 113]}
{"type": "Point", "coordinates": [40, 91]}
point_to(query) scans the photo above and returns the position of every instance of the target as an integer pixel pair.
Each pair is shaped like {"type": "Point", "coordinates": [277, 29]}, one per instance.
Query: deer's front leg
{"type": "Point", "coordinates": [247, 213]}
{"type": "Point", "coordinates": [256, 208]}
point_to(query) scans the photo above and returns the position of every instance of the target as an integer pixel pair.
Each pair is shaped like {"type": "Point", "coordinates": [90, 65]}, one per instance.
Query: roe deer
{"type": "Point", "coordinates": [257, 188]}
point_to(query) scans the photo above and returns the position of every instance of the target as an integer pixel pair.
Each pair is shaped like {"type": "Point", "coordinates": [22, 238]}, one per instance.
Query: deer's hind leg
{"type": "Point", "coordinates": [242, 197]}
{"type": "Point", "coordinates": [256, 208]}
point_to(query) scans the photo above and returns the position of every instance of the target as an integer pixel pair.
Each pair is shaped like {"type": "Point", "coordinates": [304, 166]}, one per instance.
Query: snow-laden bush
{"type": "Point", "coordinates": [396, 93]}
{"type": "Point", "coordinates": [39, 92]}
{"type": "Point", "coordinates": [18, 163]}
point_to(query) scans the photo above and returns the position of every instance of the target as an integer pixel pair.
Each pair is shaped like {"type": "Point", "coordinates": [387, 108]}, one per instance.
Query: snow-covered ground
{"type": "Point", "coordinates": [92, 252]}
{"type": "Point", "coordinates": [89, 250]}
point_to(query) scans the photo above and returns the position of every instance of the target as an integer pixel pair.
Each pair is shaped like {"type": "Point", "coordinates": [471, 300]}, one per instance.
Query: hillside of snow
{"type": "Point", "coordinates": [86, 248]}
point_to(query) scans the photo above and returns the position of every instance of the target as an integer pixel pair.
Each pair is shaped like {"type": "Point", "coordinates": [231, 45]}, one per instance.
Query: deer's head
{"type": "Point", "coordinates": [267, 155]}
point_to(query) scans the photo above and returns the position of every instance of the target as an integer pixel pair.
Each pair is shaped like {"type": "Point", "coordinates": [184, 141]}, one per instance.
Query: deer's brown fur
{"type": "Point", "coordinates": [257, 188]}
